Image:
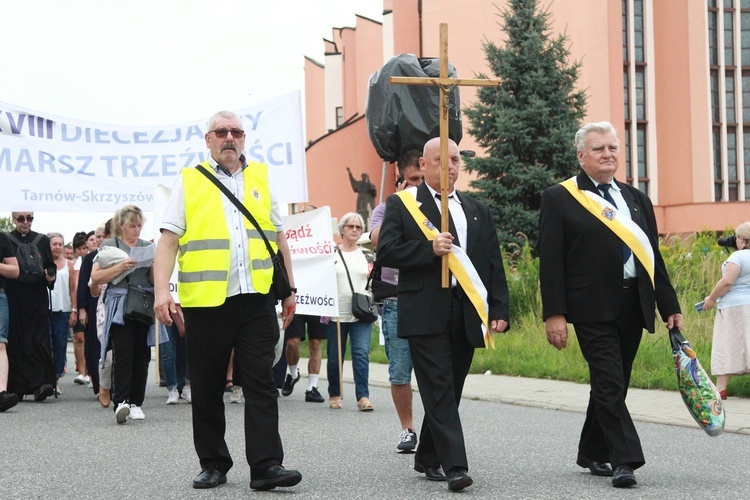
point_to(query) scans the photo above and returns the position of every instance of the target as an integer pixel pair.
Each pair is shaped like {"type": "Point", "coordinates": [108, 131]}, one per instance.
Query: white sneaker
{"type": "Point", "coordinates": [122, 412]}
{"type": "Point", "coordinates": [80, 380]}
{"type": "Point", "coordinates": [87, 379]}
{"type": "Point", "coordinates": [186, 394]}
{"type": "Point", "coordinates": [236, 396]}
{"type": "Point", "coordinates": [136, 413]}
{"type": "Point", "coordinates": [174, 397]}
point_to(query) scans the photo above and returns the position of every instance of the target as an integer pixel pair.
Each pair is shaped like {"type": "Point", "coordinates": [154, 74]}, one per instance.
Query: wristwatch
{"type": "Point", "coordinates": [294, 289]}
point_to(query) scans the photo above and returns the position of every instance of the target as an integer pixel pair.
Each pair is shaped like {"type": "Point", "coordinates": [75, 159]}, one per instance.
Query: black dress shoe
{"type": "Point", "coordinates": [431, 473]}
{"type": "Point", "coordinates": [43, 392]}
{"type": "Point", "coordinates": [623, 476]}
{"type": "Point", "coordinates": [209, 478]}
{"type": "Point", "coordinates": [458, 480]}
{"type": "Point", "coordinates": [7, 400]}
{"type": "Point", "coordinates": [596, 468]}
{"type": "Point", "coordinates": [276, 476]}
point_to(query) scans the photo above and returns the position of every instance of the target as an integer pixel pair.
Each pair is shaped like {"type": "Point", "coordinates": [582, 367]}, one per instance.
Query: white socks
{"type": "Point", "coordinates": [313, 381]}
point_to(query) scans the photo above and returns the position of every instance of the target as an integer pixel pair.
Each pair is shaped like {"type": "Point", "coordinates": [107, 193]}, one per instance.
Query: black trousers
{"type": "Point", "coordinates": [247, 323]}
{"type": "Point", "coordinates": [131, 356]}
{"type": "Point", "coordinates": [441, 363]}
{"type": "Point", "coordinates": [92, 348]}
{"type": "Point", "coordinates": [608, 434]}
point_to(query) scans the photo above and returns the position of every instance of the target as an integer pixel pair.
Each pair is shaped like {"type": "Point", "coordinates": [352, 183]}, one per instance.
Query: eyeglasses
{"type": "Point", "coordinates": [23, 219]}
{"type": "Point", "coordinates": [352, 226]}
{"type": "Point", "coordinates": [221, 133]}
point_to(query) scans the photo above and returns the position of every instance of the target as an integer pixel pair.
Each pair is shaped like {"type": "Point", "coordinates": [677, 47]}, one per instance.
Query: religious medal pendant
{"type": "Point", "coordinates": [608, 213]}
{"type": "Point", "coordinates": [428, 224]}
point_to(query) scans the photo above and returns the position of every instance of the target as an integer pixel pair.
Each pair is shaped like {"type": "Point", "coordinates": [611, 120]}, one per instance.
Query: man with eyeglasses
{"type": "Point", "coordinates": [29, 350]}
{"type": "Point", "coordinates": [224, 287]}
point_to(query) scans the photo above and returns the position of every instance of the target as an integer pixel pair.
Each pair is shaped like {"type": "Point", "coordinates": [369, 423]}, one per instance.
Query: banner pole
{"type": "Point", "coordinates": [156, 349]}
{"type": "Point", "coordinates": [340, 356]}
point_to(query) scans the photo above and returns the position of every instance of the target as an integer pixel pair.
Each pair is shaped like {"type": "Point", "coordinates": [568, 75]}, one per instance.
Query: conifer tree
{"type": "Point", "coordinates": [6, 225]}
{"type": "Point", "coordinates": [527, 124]}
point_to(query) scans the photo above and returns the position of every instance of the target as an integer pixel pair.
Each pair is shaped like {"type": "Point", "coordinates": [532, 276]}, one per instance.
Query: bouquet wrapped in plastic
{"type": "Point", "coordinates": [698, 392]}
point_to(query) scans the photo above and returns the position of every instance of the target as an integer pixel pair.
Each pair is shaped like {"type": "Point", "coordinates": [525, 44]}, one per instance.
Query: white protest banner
{"type": "Point", "coordinates": [310, 239]}
{"type": "Point", "coordinates": [56, 164]}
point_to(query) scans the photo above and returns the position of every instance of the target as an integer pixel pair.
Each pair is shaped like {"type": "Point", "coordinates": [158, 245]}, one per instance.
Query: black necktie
{"type": "Point", "coordinates": [604, 188]}
{"type": "Point", "coordinates": [451, 225]}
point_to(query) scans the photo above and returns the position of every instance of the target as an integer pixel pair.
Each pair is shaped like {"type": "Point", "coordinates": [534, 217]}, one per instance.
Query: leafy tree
{"type": "Point", "coordinates": [527, 124]}
{"type": "Point", "coordinates": [6, 225]}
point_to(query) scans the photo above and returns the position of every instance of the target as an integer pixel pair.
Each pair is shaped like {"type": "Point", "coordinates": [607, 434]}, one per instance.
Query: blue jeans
{"type": "Point", "coordinates": [4, 317]}
{"type": "Point", "coordinates": [174, 360]}
{"type": "Point", "coordinates": [397, 350]}
{"type": "Point", "coordinates": [360, 334]}
{"type": "Point", "coordinates": [58, 330]}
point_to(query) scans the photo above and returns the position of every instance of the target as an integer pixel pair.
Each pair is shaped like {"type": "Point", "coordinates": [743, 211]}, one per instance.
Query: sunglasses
{"type": "Point", "coordinates": [221, 133]}
{"type": "Point", "coordinates": [23, 219]}
{"type": "Point", "coordinates": [352, 226]}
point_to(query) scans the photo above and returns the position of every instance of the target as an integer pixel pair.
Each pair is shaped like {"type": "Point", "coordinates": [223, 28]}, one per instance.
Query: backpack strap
{"type": "Point", "coordinates": [19, 242]}
{"type": "Point", "coordinates": [13, 239]}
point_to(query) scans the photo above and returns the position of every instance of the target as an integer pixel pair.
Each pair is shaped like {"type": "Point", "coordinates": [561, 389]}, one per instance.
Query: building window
{"type": "Point", "coordinates": [635, 79]}
{"type": "Point", "coordinates": [729, 56]}
{"type": "Point", "coordinates": [339, 115]}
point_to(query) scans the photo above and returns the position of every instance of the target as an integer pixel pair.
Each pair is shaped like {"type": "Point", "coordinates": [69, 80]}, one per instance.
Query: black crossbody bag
{"type": "Point", "coordinates": [280, 285]}
{"type": "Point", "coordinates": [139, 303]}
{"type": "Point", "coordinates": [362, 306]}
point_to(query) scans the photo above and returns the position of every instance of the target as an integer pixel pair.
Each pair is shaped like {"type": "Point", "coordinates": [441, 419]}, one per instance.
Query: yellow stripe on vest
{"type": "Point", "coordinates": [459, 264]}
{"type": "Point", "coordinates": [628, 231]}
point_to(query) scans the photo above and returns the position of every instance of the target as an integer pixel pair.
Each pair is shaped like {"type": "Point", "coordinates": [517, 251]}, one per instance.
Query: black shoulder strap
{"type": "Point", "coordinates": [345, 267]}
{"type": "Point", "coordinates": [36, 240]}
{"type": "Point", "coordinates": [14, 239]}
{"type": "Point", "coordinates": [242, 208]}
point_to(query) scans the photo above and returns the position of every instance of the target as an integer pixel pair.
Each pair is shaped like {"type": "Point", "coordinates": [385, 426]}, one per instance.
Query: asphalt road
{"type": "Point", "coordinates": [72, 448]}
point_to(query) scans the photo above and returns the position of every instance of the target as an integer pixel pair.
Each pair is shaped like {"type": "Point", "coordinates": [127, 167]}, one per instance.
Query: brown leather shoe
{"type": "Point", "coordinates": [104, 398]}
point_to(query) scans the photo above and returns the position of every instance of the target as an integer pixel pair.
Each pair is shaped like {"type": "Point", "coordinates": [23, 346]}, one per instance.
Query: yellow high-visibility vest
{"type": "Point", "coordinates": [204, 252]}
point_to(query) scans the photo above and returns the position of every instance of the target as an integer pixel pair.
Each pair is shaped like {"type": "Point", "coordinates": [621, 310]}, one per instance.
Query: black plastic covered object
{"type": "Point", "coordinates": [401, 117]}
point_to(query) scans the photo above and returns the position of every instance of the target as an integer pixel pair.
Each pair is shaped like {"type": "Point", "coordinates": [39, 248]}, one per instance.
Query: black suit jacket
{"type": "Point", "coordinates": [424, 306]}
{"type": "Point", "coordinates": [580, 260]}
{"type": "Point", "coordinates": [83, 295]}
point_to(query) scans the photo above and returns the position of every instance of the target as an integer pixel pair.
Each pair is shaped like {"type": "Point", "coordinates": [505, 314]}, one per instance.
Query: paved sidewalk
{"type": "Point", "coordinates": [660, 407]}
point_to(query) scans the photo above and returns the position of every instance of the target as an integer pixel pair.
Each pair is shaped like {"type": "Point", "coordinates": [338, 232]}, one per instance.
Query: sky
{"type": "Point", "coordinates": [158, 62]}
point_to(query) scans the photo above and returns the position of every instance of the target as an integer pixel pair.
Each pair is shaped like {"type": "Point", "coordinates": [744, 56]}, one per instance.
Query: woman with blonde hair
{"type": "Point", "coordinates": [128, 336]}
{"type": "Point", "coordinates": [731, 297]}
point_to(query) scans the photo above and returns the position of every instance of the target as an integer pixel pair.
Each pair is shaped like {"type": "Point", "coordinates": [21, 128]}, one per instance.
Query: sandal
{"type": "Point", "coordinates": [334, 403]}
{"type": "Point", "coordinates": [364, 405]}
{"type": "Point", "coordinates": [228, 386]}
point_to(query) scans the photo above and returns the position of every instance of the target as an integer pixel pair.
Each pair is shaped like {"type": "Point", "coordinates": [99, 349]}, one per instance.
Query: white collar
{"type": "Point", "coordinates": [451, 195]}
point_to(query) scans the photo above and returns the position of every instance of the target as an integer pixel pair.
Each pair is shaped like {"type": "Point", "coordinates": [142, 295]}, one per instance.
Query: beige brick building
{"type": "Point", "coordinates": [673, 76]}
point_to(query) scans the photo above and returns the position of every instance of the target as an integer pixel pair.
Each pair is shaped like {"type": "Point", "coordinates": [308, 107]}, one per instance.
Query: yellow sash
{"type": "Point", "coordinates": [459, 264]}
{"type": "Point", "coordinates": [624, 228]}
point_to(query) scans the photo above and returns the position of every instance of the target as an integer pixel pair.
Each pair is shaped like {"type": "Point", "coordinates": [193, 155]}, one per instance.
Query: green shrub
{"type": "Point", "coordinates": [694, 266]}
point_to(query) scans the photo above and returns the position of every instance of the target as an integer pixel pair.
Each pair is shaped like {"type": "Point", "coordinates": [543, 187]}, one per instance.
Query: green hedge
{"type": "Point", "coordinates": [694, 265]}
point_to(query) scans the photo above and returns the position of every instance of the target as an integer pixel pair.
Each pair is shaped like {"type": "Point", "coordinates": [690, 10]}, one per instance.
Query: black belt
{"type": "Point", "coordinates": [630, 283]}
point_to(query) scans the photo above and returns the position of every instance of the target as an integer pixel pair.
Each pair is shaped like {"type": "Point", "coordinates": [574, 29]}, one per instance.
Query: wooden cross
{"type": "Point", "coordinates": [445, 84]}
